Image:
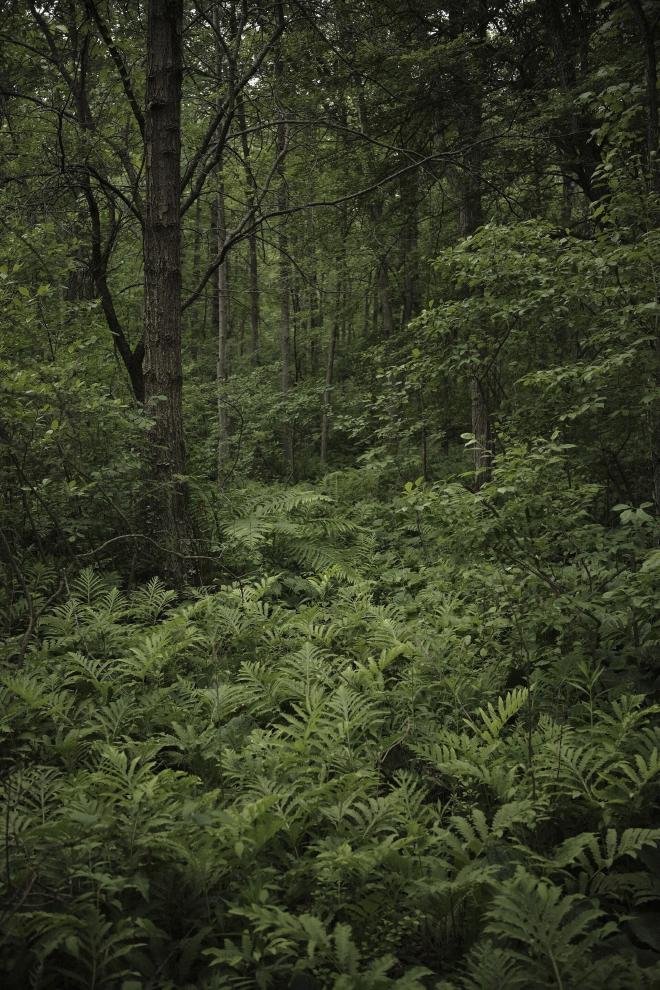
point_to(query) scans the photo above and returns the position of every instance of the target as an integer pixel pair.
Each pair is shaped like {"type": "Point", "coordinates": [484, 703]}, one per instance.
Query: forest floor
{"type": "Point", "coordinates": [393, 753]}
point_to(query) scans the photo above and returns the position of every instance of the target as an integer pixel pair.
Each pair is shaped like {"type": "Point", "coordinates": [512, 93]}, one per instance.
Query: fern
{"type": "Point", "coordinates": [556, 932]}
{"type": "Point", "coordinates": [323, 773]}
{"type": "Point", "coordinates": [494, 718]}
{"type": "Point", "coordinates": [149, 602]}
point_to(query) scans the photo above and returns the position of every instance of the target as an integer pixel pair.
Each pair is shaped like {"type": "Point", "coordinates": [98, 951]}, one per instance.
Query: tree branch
{"type": "Point", "coordinates": [118, 59]}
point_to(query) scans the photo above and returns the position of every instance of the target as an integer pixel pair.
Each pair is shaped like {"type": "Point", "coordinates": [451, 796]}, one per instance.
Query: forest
{"type": "Point", "coordinates": [330, 495]}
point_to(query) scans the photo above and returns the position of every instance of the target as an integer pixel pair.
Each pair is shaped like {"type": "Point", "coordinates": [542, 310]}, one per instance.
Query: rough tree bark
{"type": "Point", "coordinates": [166, 511]}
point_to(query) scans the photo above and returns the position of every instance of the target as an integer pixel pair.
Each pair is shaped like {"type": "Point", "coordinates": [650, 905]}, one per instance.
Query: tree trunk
{"type": "Point", "coordinates": [222, 371]}
{"type": "Point", "coordinates": [384, 299]}
{"type": "Point", "coordinates": [340, 328]}
{"type": "Point", "coordinates": [366, 312]}
{"type": "Point", "coordinates": [327, 391]}
{"type": "Point", "coordinates": [254, 298]}
{"type": "Point", "coordinates": [409, 251]}
{"type": "Point", "coordinates": [469, 124]}
{"type": "Point", "coordinates": [569, 33]}
{"type": "Point", "coordinates": [193, 328]}
{"type": "Point", "coordinates": [285, 314]}
{"type": "Point", "coordinates": [648, 30]}
{"type": "Point", "coordinates": [284, 273]}
{"type": "Point", "coordinates": [315, 321]}
{"type": "Point", "coordinates": [654, 425]}
{"type": "Point", "coordinates": [252, 240]}
{"type": "Point", "coordinates": [167, 513]}
{"type": "Point", "coordinates": [223, 336]}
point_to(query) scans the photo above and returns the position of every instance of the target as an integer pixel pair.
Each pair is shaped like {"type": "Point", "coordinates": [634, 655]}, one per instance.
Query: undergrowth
{"type": "Point", "coordinates": [414, 745]}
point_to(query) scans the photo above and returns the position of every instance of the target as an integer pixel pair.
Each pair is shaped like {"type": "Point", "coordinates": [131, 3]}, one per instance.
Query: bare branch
{"type": "Point", "coordinates": [118, 59]}
{"type": "Point", "coordinates": [207, 140]}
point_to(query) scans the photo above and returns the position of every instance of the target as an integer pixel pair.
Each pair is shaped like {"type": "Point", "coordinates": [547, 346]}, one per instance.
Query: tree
{"type": "Point", "coordinates": [167, 513]}
{"type": "Point", "coordinates": [470, 26]}
{"type": "Point", "coordinates": [284, 275]}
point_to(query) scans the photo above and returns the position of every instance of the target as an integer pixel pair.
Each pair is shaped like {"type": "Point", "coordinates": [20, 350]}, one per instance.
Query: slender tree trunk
{"type": "Point", "coordinates": [222, 369]}
{"type": "Point", "coordinates": [566, 200]}
{"type": "Point", "coordinates": [648, 26]}
{"type": "Point", "coordinates": [648, 29]}
{"type": "Point", "coordinates": [470, 219]}
{"type": "Point", "coordinates": [366, 308]}
{"type": "Point", "coordinates": [167, 511]}
{"type": "Point", "coordinates": [339, 329]}
{"type": "Point", "coordinates": [284, 271]}
{"type": "Point", "coordinates": [285, 315]}
{"type": "Point", "coordinates": [385, 299]}
{"type": "Point", "coordinates": [100, 253]}
{"type": "Point", "coordinates": [314, 325]}
{"type": "Point", "coordinates": [424, 436]}
{"type": "Point", "coordinates": [569, 33]}
{"type": "Point", "coordinates": [347, 313]}
{"type": "Point", "coordinates": [654, 430]}
{"type": "Point", "coordinates": [254, 298]}
{"type": "Point", "coordinates": [410, 259]}
{"type": "Point", "coordinates": [314, 302]}
{"type": "Point", "coordinates": [194, 329]}
{"type": "Point", "coordinates": [223, 336]}
{"type": "Point", "coordinates": [253, 271]}
{"type": "Point", "coordinates": [298, 352]}
{"type": "Point", "coordinates": [327, 391]}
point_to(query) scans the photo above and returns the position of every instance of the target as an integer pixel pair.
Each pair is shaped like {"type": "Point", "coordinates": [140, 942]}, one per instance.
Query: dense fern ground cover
{"type": "Point", "coordinates": [415, 746]}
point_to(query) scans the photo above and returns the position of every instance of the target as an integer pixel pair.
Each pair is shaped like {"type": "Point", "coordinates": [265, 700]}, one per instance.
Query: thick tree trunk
{"type": "Point", "coordinates": [167, 515]}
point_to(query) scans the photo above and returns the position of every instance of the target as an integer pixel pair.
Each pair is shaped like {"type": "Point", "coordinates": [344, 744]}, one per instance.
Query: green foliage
{"type": "Point", "coordinates": [404, 731]}
{"type": "Point", "coordinates": [387, 758]}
